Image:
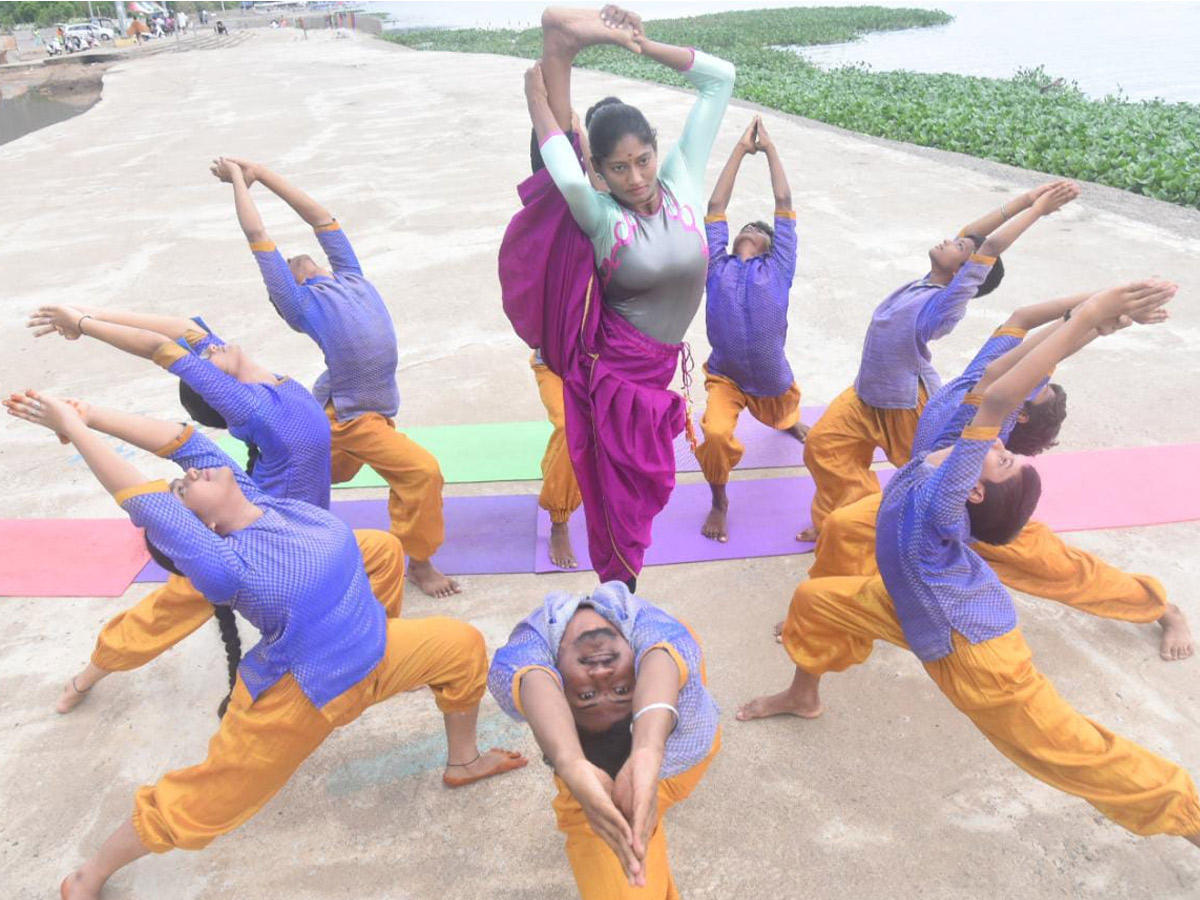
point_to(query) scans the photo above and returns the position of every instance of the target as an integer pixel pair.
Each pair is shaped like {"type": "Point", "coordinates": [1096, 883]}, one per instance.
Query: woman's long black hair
{"type": "Point", "coordinates": [226, 622]}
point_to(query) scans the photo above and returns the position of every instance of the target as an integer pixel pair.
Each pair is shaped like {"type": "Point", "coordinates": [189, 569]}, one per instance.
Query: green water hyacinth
{"type": "Point", "coordinates": [1029, 120]}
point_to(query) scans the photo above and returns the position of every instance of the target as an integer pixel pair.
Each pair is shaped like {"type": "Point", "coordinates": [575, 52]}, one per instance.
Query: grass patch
{"type": "Point", "coordinates": [1146, 147]}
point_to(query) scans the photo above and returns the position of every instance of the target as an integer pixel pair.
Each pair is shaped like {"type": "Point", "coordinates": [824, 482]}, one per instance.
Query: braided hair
{"type": "Point", "coordinates": [225, 622]}
{"type": "Point", "coordinates": [233, 650]}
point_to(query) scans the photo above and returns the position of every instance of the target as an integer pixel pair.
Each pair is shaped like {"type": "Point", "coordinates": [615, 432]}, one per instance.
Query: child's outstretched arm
{"type": "Point", "coordinates": [993, 219]}
{"type": "Point", "coordinates": [723, 190]}
{"type": "Point", "coordinates": [779, 180]}
{"type": "Point", "coordinates": [114, 472]}
{"type": "Point", "coordinates": [1050, 202]}
{"type": "Point", "coordinates": [1126, 302]}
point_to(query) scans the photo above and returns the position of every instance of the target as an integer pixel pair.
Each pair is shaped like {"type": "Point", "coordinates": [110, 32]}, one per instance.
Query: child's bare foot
{"type": "Point", "coordinates": [74, 887]}
{"type": "Point", "coordinates": [70, 698]}
{"type": "Point", "coordinates": [799, 431]}
{"type": "Point", "coordinates": [714, 527]}
{"type": "Point", "coordinates": [75, 690]}
{"type": "Point", "coordinates": [494, 762]}
{"type": "Point", "coordinates": [1176, 641]}
{"type": "Point", "coordinates": [433, 583]}
{"type": "Point", "coordinates": [562, 554]}
{"type": "Point", "coordinates": [809, 535]}
{"type": "Point", "coordinates": [806, 705]}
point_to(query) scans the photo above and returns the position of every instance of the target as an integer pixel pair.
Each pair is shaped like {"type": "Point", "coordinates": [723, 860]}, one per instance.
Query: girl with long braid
{"type": "Point", "coordinates": [328, 650]}
{"type": "Point", "coordinates": [287, 432]}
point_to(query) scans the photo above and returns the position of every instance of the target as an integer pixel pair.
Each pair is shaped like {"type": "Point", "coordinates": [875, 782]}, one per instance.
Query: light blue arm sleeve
{"type": "Point", "coordinates": [685, 164]}
{"type": "Point", "coordinates": [586, 203]}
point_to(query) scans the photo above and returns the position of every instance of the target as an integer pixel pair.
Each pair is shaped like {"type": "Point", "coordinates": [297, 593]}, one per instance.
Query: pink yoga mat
{"type": "Point", "coordinates": [766, 448]}
{"type": "Point", "coordinates": [1119, 488]}
{"type": "Point", "coordinates": [69, 557]}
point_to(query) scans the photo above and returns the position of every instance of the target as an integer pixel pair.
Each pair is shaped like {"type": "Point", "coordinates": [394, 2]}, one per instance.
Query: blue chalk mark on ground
{"type": "Point", "coordinates": [427, 754]}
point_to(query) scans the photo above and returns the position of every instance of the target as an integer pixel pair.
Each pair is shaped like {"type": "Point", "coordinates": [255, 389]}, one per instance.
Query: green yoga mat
{"type": "Point", "coordinates": [501, 451]}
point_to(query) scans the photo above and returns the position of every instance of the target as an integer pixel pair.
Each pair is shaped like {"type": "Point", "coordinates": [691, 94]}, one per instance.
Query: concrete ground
{"type": "Point", "coordinates": [890, 794]}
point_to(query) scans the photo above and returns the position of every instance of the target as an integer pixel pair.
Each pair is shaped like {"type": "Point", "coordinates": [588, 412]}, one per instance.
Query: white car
{"type": "Point", "coordinates": [85, 29]}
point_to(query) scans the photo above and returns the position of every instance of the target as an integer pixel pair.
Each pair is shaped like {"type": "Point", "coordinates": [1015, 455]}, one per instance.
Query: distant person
{"type": "Point", "coordinates": [181, 21]}
{"type": "Point", "coordinates": [138, 29]}
{"type": "Point", "coordinates": [895, 378]}
{"type": "Point", "coordinates": [343, 313]}
{"type": "Point", "coordinates": [746, 313]}
{"type": "Point", "coordinates": [221, 29]}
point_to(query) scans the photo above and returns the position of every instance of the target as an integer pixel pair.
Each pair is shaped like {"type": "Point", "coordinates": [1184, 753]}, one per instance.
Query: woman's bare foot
{"type": "Point", "coordinates": [1176, 641]}
{"type": "Point", "coordinates": [802, 698]}
{"type": "Point", "coordinates": [799, 431]}
{"type": "Point", "coordinates": [433, 583]}
{"type": "Point", "coordinates": [562, 554]}
{"type": "Point", "coordinates": [1194, 838]}
{"type": "Point", "coordinates": [778, 629]}
{"type": "Point", "coordinates": [714, 527]}
{"type": "Point", "coordinates": [486, 765]}
{"type": "Point", "coordinates": [75, 690]}
{"type": "Point", "coordinates": [570, 30]}
{"type": "Point", "coordinates": [809, 535]}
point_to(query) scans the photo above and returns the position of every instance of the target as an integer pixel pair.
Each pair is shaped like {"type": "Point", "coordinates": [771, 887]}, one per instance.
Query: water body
{"type": "Point", "coordinates": [1146, 49]}
{"type": "Point", "coordinates": [31, 111]}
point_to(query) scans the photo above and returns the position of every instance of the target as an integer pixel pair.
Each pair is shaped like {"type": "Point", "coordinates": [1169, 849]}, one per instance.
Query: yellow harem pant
{"type": "Point", "coordinates": [168, 614]}
{"type": "Point", "coordinates": [1036, 561]}
{"type": "Point", "coordinates": [260, 743]}
{"type": "Point", "coordinates": [412, 473]}
{"type": "Point", "coordinates": [597, 869]}
{"type": "Point", "coordinates": [560, 491]}
{"type": "Point", "coordinates": [833, 623]}
{"type": "Point", "coordinates": [840, 446]}
{"type": "Point", "coordinates": [722, 451]}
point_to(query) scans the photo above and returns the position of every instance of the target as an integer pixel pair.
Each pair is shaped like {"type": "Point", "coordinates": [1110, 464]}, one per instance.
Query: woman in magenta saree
{"type": "Point", "coordinates": [606, 283]}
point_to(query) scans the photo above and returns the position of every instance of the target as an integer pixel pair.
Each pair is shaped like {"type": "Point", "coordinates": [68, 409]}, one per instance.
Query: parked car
{"type": "Point", "coordinates": [82, 34]}
{"type": "Point", "coordinates": [104, 22]}
{"type": "Point", "coordinates": [101, 32]}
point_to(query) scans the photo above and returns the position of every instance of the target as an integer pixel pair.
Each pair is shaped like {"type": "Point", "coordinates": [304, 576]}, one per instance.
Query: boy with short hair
{"type": "Point", "coordinates": [746, 313]}
{"type": "Point", "coordinates": [895, 377]}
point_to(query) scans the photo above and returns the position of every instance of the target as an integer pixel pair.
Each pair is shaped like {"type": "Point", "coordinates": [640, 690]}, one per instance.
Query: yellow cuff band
{"type": "Point", "coordinates": [184, 436]}
{"type": "Point", "coordinates": [150, 487]}
{"type": "Point", "coordinates": [168, 354]}
{"type": "Point", "coordinates": [981, 433]}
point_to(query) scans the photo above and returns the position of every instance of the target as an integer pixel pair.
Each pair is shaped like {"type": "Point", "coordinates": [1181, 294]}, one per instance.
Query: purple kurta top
{"type": "Point", "coordinates": [746, 310]}
{"type": "Point", "coordinates": [895, 355]}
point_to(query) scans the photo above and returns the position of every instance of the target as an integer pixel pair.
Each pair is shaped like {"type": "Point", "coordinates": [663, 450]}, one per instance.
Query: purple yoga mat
{"type": "Point", "coordinates": [766, 448]}
{"type": "Point", "coordinates": [484, 535]}
{"type": "Point", "coordinates": [764, 516]}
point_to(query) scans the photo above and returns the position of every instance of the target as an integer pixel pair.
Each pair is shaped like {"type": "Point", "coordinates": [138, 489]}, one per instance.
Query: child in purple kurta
{"type": "Point", "coordinates": [896, 377]}
{"type": "Point", "coordinates": [747, 325]}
